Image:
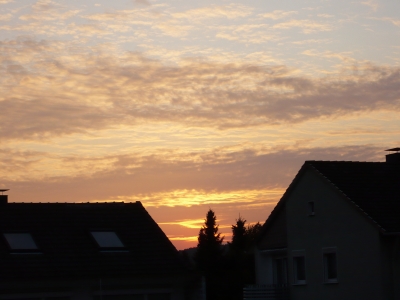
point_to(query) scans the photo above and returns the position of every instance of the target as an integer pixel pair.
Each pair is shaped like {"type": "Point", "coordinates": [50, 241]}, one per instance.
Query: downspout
{"type": "Point", "coordinates": [394, 269]}
{"type": "Point", "coordinates": [101, 291]}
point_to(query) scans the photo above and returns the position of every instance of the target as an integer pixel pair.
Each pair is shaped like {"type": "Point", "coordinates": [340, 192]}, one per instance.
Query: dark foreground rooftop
{"type": "Point", "coordinates": [54, 241]}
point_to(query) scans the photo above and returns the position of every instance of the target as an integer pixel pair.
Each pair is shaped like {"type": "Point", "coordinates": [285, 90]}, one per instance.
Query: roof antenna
{"type": "Point", "coordinates": [393, 149]}
{"type": "Point", "coordinates": [3, 198]}
{"type": "Point", "coordinates": [3, 190]}
{"type": "Point", "coordinates": [393, 157]}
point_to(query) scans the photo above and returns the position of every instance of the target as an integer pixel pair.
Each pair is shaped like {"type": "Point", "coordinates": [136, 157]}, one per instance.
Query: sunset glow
{"type": "Point", "coordinates": [187, 105]}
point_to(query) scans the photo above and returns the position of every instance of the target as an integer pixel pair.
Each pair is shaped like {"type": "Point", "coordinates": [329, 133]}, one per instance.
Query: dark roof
{"type": "Point", "coordinates": [67, 249]}
{"type": "Point", "coordinates": [373, 186]}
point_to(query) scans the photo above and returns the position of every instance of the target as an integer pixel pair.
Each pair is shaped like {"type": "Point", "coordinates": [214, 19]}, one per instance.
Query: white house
{"type": "Point", "coordinates": [335, 234]}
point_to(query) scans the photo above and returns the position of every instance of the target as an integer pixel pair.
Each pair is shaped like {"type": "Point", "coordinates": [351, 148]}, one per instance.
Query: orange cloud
{"type": "Point", "coordinates": [102, 91]}
{"type": "Point", "coordinates": [307, 26]}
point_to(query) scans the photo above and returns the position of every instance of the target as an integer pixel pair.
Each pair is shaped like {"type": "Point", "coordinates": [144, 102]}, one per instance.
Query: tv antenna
{"type": "Point", "coordinates": [4, 190]}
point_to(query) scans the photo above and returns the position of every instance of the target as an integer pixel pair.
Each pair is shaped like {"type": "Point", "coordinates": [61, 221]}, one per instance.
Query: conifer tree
{"type": "Point", "coordinates": [209, 255]}
{"type": "Point", "coordinates": [209, 243]}
{"type": "Point", "coordinates": [239, 235]}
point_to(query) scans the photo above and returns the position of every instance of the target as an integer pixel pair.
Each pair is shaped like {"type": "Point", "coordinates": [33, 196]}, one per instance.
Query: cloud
{"type": "Point", "coordinates": [344, 56]}
{"type": "Point", "coordinates": [173, 28]}
{"type": "Point", "coordinates": [184, 197]}
{"type": "Point", "coordinates": [129, 16]}
{"type": "Point", "coordinates": [371, 4]}
{"type": "Point", "coordinates": [231, 11]}
{"type": "Point", "coordinates": [45, 5]}
{"type": "Point", "coordinates": [51, 89]}
{"type": "Point", "coordinates": [278, 14]}
{"type": "Point", "coordinates": [395, 22]}
{"type": "Point", "coordinates": [47, 10]}
{"type": "Point", "coordinates": [173, 24]}
{"type": "Point", "coordinates": [48, 15]}
{"type": "Point", "coordinates": [246, 33]}
{"type": "Point", "coordinates": [5, 17]}
{"type": "Point", "coordinates": [307, 26]}
{"type": "Point", "coordinates": [183, 238]}
{"type": "Point", "coordinates": [48, 117]}
{"type": "Point", "coordinates": [125, 20]}
{"type": "Point", "coordinates": [242, 177]}
{"type": "Point", "coordinates": [172, 184]}
{"type": "Point", "coordinates": [325, 16]}
{"type": "Point", "coordinates": [189, 223]}
{"type": "Point", "coordinates": [6, 1]}
{"type": "Point", "coordinates": [142, 2]}
{"type": "Point", "coordinates": [16, 162]}
{"type": "Point", "coordinates": [313, 41]}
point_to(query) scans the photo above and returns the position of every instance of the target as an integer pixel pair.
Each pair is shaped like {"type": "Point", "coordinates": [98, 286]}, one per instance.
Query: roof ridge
{"type": "Point", "coordinates": [345, 161]}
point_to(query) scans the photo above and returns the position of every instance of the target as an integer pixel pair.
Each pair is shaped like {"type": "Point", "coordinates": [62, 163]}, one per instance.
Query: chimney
{"type": "Point", "coordinates": [393, 158]}
{"type": "Point", "coordinates": [3, 198]}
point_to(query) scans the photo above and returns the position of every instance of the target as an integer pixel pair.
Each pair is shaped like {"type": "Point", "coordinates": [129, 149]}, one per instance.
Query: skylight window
{"type": "Point", "coordinates": [20, 241]}
{"type": "Point", "coordinates": [107, 239]}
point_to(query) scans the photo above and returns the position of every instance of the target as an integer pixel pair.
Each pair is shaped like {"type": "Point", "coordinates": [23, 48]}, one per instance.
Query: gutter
{"type": "Point", "coordinates": [272, 251]}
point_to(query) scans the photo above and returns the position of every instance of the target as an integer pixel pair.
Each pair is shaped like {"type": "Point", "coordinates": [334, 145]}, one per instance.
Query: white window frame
{"type": "Point", "coordinates": [296, 254]}
{"type": "Point", "coordinates": [325, 264]}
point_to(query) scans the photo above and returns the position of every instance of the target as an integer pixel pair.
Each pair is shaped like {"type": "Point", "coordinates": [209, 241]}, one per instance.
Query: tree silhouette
{"type": "Point", "coordinates": [209, 242]}
{"type": "Point", "coordinates": [252, 233]}
{"type": "Point", "coordinates": [239, 235]}
{"type": "Point", "coordinates": [208, 256]}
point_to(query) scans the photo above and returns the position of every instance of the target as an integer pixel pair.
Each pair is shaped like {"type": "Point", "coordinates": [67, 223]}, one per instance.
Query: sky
{"type": "Point", "coordinates": [191, 105]}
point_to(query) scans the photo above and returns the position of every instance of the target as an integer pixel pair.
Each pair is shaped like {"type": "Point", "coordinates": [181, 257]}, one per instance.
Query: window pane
{"type": "Point", "coordinates": [280, 271]}
{"type": "Point", "coordinates": [300, 268]}
{"type": "Point", "coordinates": [20, 241]}
{"type": "Point", "coordinates": [330, 265]}
{"type": "Point", "coordinates": [107, 239]}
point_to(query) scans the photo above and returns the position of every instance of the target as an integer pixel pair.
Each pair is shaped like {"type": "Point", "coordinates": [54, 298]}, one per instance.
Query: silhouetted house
{"type": "Point", "coordinates": [335, 234]}
{"type": "Point", "coordinates": [86, 251]}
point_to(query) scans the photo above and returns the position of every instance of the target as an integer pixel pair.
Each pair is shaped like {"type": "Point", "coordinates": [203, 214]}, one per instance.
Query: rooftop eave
{"type": "Point", "coordinates": [274, 251]}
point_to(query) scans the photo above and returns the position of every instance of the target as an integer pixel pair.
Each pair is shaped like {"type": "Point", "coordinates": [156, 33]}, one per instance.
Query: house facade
{"type": "Point", "coordinates": [99, 251]}
{"type": "Point", "coordinates": [335, 234]}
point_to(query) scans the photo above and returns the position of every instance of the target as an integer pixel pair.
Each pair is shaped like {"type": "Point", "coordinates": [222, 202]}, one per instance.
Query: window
{"type": "Point", "coordinates": [107, 240]}
{"type": "Point", "coordinates": [280, 271]}
{"type": "Point", "coordinates": [21, 242]}
{"type": "Point", "coordinates": [299, 267]}
{"type": "Point", "coordinates": [164, 296]}
{"type": "Point", "coordinates": [330, 265]}
{"type": "Point", "coordinates": [311, 211]}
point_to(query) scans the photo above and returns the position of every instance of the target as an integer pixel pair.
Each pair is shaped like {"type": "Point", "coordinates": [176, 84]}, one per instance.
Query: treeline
{"type": "Point", "coordinates": [226, 268]}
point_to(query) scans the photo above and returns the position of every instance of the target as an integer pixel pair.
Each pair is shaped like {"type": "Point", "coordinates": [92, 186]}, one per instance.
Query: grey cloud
{"type": "Point", "coordinates": [132, 175]}
{"type": "Point", "coordinates": [142, 2]}
{"type": "Point", "coordinates": [17, 161]}
{"type": "Point", "coordinates": [45, 118]}
{"type": "Point", "coordinates": [45, 96]}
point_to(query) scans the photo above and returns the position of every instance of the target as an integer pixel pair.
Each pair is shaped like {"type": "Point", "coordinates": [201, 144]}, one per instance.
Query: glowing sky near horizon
{"type": "Point", "coordinates": [188, 105]}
